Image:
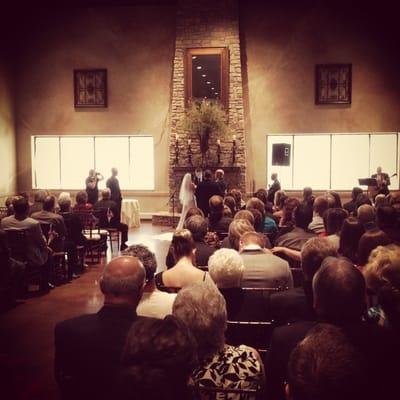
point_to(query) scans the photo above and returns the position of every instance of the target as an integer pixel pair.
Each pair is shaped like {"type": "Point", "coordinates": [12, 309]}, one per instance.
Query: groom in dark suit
{"type": "Point", "coordinates": [88, 348]}
{"type": "Point", "coordinates": [205, 190]}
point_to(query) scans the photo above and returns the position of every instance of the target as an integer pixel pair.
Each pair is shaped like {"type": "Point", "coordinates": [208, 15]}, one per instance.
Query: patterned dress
{"type": "Point", "coordinates": [232, 368]}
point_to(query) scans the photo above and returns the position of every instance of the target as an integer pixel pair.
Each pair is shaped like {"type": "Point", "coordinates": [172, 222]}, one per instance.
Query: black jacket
{"type": "Point", "coordinates": [204, 191]}
{"type": "Point", "coordinates": [88, 351]}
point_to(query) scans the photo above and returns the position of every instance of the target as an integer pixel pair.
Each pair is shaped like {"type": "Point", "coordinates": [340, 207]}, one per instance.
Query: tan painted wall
{"type": "Point", "coordinates": [7, 134]}
{"type": "Point", "coordinates": [135, 45]}
{"type": "Point", "coordinates": [281, 47]}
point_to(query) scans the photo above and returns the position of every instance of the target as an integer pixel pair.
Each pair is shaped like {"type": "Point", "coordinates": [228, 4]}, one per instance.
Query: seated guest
{"type": "Point", "coordinates": [157, 361]}
{"type": "Point", "coordinates": [319, 208]}
{"type": "Point", "coordinates": [350, 207]}
{"type": "Point", "coordinates": [197, 226]}
{"type": "Point", "coordinates": [382, 274]}
{"type": "Point", "coordinates": [237, 195]}
{"type": "Point", "coordinates": [286, 221]}
{"type": "Point", "coordinates": [297, 304]}
{"type": "Point", "coordinates": [380, 201]}
{"type": "Point", "coordinates": [48, 217]}
{"type": "Point", "coordinates": [386, 219]}
{"type": "Point", "coordinates": [257, 204]}
{"type": "Point", "coordinates": [154, 303]}
{"type": "Point", "coordinates": [88, 348]}
{"type": "Point", "coordinates": [216, 220]}
{"type": "Point", "coordinates": [333, 223]}
{"type": "Point", "coordinates": [308, 198]}
{"type": "Point", "coordinates": [236, 229]}
{"type": "Point", "coordinates": [366, 215]}
{"type": "Point", "coordinates": [339, 298]}
{"type": "Point", "coordinates": [334, 200]}
{"type": "Point", "coordinates": [38, 200]}
{"type": "Point", "coordinates": [230, 202]}
{"type": "Point", "coordinates": [184, 272]}
{"type": "Point", "coordinates": [369, 241]}
{"type": "Point", "coordinates": [279, 200]}
{"type": "Point", "coordinates": [270, 226]}
{"type": "Point", "coordinates": [226, 270]}
{"type": "Point", "coordinates": [82, 202]}
{"type": "Point", "coordinates": [202, 308]}
{"type": "Point", "coordinates": [9, 204]}
{"type": "Point", "coordinates": [258, 219]}
{"type": "Point", "coordinates": [110, 216]}
{"type": "Point", "coordinates": [361, 199]}
{"type": "Point", "coordinates": [298, 236]}
{"type": "Point", "coordinates": [227, 212]}
{"type": "Point", "coordinates": [261, 267]}
{"type": "Point", "coordinates": [245, 214]}
{"type": "Point", "coordinates": [352, 231]}
{"type": "Point", "coordinates": [319, 367]}
{"type": "Point", "coordinates": [37, 253]}
{"type": "Point", "coordinates": [219, 180]}
{"type": "Point", "coordinates": [262, 195]}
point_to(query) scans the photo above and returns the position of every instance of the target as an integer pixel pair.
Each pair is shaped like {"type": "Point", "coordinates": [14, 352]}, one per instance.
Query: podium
{"type": "Point", "coordinates": [372, 185]}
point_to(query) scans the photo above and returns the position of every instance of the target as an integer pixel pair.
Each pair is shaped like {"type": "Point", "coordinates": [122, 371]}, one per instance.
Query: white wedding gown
{"type": "Point", "coordinates": [186, 197]}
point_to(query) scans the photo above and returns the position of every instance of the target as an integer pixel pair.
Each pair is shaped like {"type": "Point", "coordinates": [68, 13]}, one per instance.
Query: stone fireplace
{"type": "Point", "coordinates": [201, 24]}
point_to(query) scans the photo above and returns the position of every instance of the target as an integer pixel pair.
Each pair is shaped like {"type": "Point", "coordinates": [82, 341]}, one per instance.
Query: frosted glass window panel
{"type": "Point", "coordinates": [112, 152]}
{"type": "Point", "coordinates": [77, 158]}
{"type": "Point", "coordinates": [350, 160]}
{"type": "Point", "coordinates": [384, 153]}
{"type": "Point", "coordinates": [311, 162]}
{"type": "Point", "coordinates": [142, 162]}
{"type": "Point", "coordinates": [47, 163]}
{"type": "Point", "coordinates": [284, 172]}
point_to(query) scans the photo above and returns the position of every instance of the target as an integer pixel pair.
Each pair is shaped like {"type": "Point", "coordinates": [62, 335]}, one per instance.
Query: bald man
{"type": "Point", "coordinates": [88, 348]}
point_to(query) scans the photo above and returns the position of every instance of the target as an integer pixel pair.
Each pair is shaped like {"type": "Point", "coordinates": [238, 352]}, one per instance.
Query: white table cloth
{"type": "Point", "coordinates": [130, 213]}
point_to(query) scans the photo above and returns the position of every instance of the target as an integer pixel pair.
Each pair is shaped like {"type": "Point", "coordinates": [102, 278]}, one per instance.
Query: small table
{"type": "Point", "coordinates": [130, 213]}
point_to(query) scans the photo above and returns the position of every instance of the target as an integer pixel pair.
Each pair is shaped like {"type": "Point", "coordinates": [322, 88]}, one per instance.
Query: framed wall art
{"type": "Point", "coordinates": [333, 84]}
{"type": "Point", "coordinates": [90, 88]}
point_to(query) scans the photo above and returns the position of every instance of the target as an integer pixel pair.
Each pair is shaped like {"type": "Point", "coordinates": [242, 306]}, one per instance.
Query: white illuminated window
{"type": "Point", "coordinates": [113, 152]}
{"type": "Point", "coordinates": [46, 162]}
{"type": "Point", "coordinates": [77, 158]}
{"type": "Point", "coordinates": [142, 162]}
{"type": "Point", "coordinates": [311, 161]}
{"type": "Point", "coordinates": [350, 160]}
{"type": "Point", "coordinates": [64, 162]}
{"type": "Point", "coordinates": [383, 154]}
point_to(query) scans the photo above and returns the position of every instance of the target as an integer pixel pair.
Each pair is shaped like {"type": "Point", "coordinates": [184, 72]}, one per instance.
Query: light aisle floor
{"type": "Point", "coordinates": [26, 331]}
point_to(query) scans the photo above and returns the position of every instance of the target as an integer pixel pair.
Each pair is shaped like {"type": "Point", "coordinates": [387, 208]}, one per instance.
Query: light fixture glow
{"type": "Point", "coordinates": [194, 57]}
{"type": "Point", "coordinates": [208, 83]}
{"type": "Point", "coordinates": [199, 67]}
{"type": "Point", "coordinates": [204, 75]}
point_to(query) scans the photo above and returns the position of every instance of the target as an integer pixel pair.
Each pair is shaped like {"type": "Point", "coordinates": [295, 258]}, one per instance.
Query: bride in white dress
{"type": "Point", "coordinates": [186, 197]}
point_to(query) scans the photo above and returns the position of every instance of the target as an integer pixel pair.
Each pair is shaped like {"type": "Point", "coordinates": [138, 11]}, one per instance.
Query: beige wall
{"type": "Point", "coordinates": [135, 45]}
{"type": "Point", "coordinates": [281, 47]}
{"type": "Point", "coordinates": [7, 134]}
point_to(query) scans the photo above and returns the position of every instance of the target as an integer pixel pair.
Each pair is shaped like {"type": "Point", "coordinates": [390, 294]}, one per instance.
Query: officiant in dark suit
{"type": "Point", "coordinates": [113, 184]}
{"type": "Point", "coordinates": [382, 180]}
{"type": "Point", "coordinates": [205, 190]}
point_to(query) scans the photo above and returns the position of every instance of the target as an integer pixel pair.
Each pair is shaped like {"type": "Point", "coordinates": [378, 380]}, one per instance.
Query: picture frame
{"type": "Point", "coordinates": [333, 84]}
{"type": "Point", "coordinates": [90, 88]}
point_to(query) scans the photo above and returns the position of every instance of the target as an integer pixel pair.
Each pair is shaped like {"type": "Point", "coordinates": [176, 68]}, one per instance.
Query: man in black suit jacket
{"type": "Point", "coordinates": [88, 348]}
{"type": "Point", "coordinates": [113, 184]}
{"type": "Point", "coordinates": [340, 299]}
{"type": "Point", "coordinates": [383, 181]}
{"type": "Point", "coordinates": [205, 190]}
{"type": "Point", "coordinates": [274, 187]}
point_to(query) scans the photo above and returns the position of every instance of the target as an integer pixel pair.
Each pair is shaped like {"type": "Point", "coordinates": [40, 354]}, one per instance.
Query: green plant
{"type": "Point", "coordinates": [205, 118]}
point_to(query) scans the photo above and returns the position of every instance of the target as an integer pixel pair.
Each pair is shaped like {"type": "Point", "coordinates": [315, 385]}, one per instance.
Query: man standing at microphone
{"type": "Point", "coordinates": [383, 181]}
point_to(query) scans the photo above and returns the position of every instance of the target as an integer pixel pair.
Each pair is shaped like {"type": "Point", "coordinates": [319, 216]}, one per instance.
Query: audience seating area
{"type": "Point", "coordinates": [242, 304]}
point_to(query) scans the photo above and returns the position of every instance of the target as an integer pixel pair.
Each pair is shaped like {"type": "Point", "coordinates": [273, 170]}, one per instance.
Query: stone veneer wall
{"type": "Point", "coordinates": [205, 23]}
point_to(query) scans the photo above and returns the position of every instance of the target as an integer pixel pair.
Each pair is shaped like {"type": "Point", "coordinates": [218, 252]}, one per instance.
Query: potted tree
{"type": "Point", "coordinates": [203, 119]}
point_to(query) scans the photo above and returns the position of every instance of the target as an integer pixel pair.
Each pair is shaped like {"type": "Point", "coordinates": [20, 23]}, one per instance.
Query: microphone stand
{"type": "Point", "coordinates": [173, 200]}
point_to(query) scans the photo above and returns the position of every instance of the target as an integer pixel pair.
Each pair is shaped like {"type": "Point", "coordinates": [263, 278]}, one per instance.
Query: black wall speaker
{"type": "Point", "coordinates": [281, 154]}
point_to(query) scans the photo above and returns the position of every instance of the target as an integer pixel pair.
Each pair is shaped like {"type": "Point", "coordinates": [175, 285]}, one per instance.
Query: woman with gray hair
{"type": "Point", "coordinates": [202, 308]}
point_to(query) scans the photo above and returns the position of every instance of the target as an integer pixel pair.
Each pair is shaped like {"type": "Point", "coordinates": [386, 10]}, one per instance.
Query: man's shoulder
{"type": "Point", "coordinates": [292, 332]}
{"type": "Point", "coordinates": [77, 323]}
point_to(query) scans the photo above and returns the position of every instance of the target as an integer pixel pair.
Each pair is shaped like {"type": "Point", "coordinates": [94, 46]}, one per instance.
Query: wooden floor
{"type": "Point", "coordinates": [26, 331]}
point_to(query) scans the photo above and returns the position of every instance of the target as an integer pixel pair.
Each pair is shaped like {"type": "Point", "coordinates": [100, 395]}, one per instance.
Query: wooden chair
{"type": "Point", "coordinates": [18, 244]}
{"type": "Point", "coordinates": [92, 232]}
{"type": "Point", "coordinates": [212, 393]}
{"type": "Point", "coordinates": [113, 234]}
{"type": "Point", "coordinates": [298, 277]}
{"type": "Point", "coordinates": [59, 257]}
{"type": "Point", "coordinates": [168, 289]}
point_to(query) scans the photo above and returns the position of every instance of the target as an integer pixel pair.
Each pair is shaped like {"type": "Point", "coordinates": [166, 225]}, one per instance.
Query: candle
{"type": "Point", "coordinates": [234, 137]}
{"type": "Point", "coordinates": [189, 142]}
{"type": "Point", "coordinates": [177, 137]}
{"type": "Point", "coordinates": [218, 142]}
